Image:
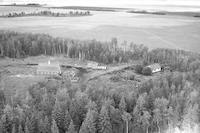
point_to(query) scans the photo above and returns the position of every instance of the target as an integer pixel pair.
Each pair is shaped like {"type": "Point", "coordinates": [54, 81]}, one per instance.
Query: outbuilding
{"type": "Point", "coordinates": [95, 65]}
{"type": "Point", "coordinates": [92, 65]}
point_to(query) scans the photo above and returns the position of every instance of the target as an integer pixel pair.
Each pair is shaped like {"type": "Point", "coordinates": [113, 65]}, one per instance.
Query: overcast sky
{"type": "Point", "coordinates": [105, 2]}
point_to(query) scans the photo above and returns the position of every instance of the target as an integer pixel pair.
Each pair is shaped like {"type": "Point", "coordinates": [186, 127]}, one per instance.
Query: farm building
{"type": "Point", "coordinates": [92, 64]}
{"type": "Point", "coordinates": [95, 65]}
{"type": "Point", "coordinates": [155, 67]}
{"type": "Point", "coordinates": [48, 69]}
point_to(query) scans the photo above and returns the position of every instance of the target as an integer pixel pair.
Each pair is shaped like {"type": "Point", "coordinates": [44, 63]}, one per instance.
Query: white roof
{"type": "Point", "coordinates": [154, 66]}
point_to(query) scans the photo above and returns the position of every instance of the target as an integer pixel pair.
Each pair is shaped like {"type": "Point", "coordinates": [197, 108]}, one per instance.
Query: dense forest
{"type": "Point", "coordinates": [48, 13]}
{"type": "Point", "coordinates": [159, 106]}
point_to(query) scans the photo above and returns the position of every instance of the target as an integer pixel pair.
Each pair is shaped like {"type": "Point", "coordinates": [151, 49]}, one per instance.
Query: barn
{"type": "Point", "coordinates": [155, 67]}
{"type": "Point", "coordinates": [48, 69]}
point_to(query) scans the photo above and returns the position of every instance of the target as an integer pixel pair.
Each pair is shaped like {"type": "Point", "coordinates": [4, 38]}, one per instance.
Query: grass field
{"type": "Point", "coordinates": [168, 31]}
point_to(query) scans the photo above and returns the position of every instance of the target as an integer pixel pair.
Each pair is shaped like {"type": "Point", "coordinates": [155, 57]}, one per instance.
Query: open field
{"type": "Point", "coordinates": [178, 32]}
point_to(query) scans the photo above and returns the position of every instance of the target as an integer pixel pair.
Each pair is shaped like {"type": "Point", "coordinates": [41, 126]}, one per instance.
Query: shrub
{"type": "Point", "coordinates": [138, 69]}
{"type": "Point", "coordinates": [131, 77]}
{"type": "Point", "coordinates": [115, 78]}
{"type": "Point", "coordinates": [147, 71]}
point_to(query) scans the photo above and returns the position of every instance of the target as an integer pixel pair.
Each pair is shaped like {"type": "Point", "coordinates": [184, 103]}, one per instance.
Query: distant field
{"type": "Point", "coordinates": [154, 31]}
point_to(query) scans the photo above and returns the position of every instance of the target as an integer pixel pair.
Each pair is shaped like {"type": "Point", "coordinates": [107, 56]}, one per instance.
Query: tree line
{"type": "Point", "coordinates": [48, 13]}
{"type": "Point", "coordinates": [20, 45]}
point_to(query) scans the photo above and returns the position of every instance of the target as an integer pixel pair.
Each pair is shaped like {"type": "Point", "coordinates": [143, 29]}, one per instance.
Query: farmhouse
{"type": "Point", "coordinates": [155, 67]}
{"type": "Point", "coordinates": [48, 69]}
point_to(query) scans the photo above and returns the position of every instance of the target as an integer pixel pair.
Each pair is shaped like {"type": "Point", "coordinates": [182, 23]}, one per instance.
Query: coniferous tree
{"type": "Point", "coordinates": [160, 112]}
{"type": "Point", "coordinates": [26, 129]}
{"type": "Point", "coordinates": [54, 127]}
{"type": "Point", "coordinates": [32, 122]}
{"type": "Point", "coordinates": [191, 118]}
{"type": "Point", "coordinates": [14, 129]}
{"type": "Point", "coordinates": [2, 100]}
{"type": "Point", "coordinates": [71, 128]}
{"type": "Point", "coordinates": [47, 125]}
{"type": "Point", "coordinates": [78, 109]}
{"type": "Point", "coordinates": [145, 121]}
{"type": "Point", "coordinates": [67, 120]}
{"type": "Point", "coordinates": [171, 118]}
{"type": "Point", "coordinates": [28, 125]}
{"type": "Point", "coordinates": [41, 126]}
{"type": "Point", "coordinates": [6, 119]}
{"type": "Point", "coordinates": [138, 112]}
{"type": "Point", "coordinates": [6, 123]}
{"type": "Point", "coordinates": [20, 130]}
{"type": "Point", "coordinates": [104, 121]}
{"type": "Point", "coordinates": [47, 104]}
{"type": "Point", "coordinates": [122, 104]}
{"type": "Point", "coordinates": [126, 117]}
{"type": "Point", "coordinates": [63, 97]}
{"type": "Point", "coordinates": [92, 106]}
{"type": "Point", "coordinates": [89, 125]}
{"type": "Point", "coordinates": [1, 127]}
{"type": "Point", "coordinates": [59, 116]}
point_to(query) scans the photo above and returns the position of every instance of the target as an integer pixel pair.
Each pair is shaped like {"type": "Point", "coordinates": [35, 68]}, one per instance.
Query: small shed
{"type": "Point", "coordinates": [96, 65]}
{"type": "Point", "coordinates": [92, 64]}
{"type": "Point", "coordinates": [48, 69]}
{"type": "Point", "coordinates": [155, 67]}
